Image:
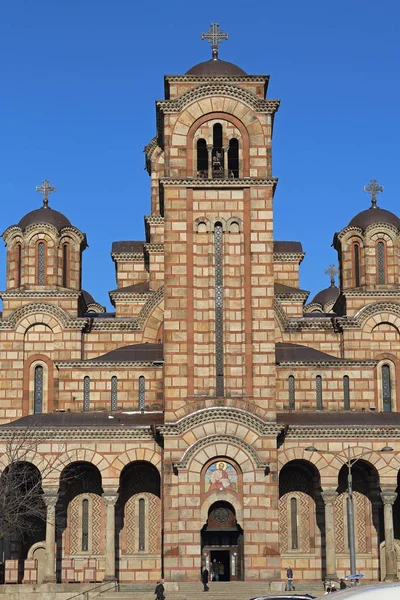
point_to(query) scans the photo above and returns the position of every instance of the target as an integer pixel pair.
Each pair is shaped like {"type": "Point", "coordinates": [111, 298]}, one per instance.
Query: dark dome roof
{"type": "Point", "coordinates": [215, 67]}
{"type": "Point", "coordinates": [374, 215]}
{"type": "Point", "coordinates": [329, 294]}
{"type": "Point", "coordinates": [45, 215]}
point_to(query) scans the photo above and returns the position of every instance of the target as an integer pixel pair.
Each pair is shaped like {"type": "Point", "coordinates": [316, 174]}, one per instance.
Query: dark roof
{"type": "Point", "coordinates": [101, 315]}
{"type": "Point", "coordinates": [133, 353]}
{"type": "Point", "coordinates": [345, 418]}
{"type": "Point", "coordinates": [45, 215]}
{"type": "Point", "coordinates": [374, 215]}
{"type": "Point", "coordinates": [87, 419]}
{"type": "Point", "coordinates": [295, 353]}
{"type": "Point", "coordinates": [88, 298]}
{"type": "Point", "coordinates": [137, 288]}
{"type": "Point", "coordinates": [329, 294]}
{"type": "Point", "coordinates": [215, 67]}
{"type": "Point", "coordinates": [287, 247]}
{"type": "Point", "coordinates": [280, 288]}
{"type": "Point", "coordinates": [130, 246]}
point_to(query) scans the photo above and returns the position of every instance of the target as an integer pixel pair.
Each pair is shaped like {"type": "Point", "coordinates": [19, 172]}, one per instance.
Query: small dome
{"type": "Point", "coordinates": [327, 296]}
{"type": "Point", "coordinates": [215, 67]}
{"type": "Point", "coordinates": [374, 215]}
{"type": "Point", "coordinates": [45, 215]}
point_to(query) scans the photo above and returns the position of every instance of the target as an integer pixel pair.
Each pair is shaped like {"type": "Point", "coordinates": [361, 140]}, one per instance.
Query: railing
{"type": "Point", "coordinates": [85, 595]}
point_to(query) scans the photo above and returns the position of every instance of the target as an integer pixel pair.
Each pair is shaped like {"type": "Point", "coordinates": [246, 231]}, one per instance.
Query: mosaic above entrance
{"type": "Point", "coordinates": [221, 476]}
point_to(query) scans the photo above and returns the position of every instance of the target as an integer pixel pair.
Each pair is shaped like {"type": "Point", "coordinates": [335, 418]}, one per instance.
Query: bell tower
{"type": "Point", "coordinates": [211, 166]}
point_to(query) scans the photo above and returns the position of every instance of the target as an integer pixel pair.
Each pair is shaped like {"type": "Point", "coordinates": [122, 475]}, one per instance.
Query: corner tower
{"type": "Point", "coordinates": [211, 167]}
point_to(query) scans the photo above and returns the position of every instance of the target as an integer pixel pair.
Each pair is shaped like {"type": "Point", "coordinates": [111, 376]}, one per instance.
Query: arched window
{"type": "Point", "coordinates": [19, 265]}
{"type": "Point", "coordinates": [142, 524]}
{"type": "Point", "coordinates": [233, 158]}
{"type": "Point", "coordinates": [114, 393]}
{"type": "Point", "coordinates": [293, 524]}
{"type": "Point", "coordinates": [346, 392]}
{"type": "Point", "coordinates": [292, 400]}
{"type": "Point", "coordinates": [217, 152]}
{"type": "Point", "coordinates": [202, 158]}
{"type": "Point", "coordinates": [217, 137]}
{"type": "Point", "coordinates": [86, 393]}
{"type": "Point", "coordinates": [40, 263]}
{"type": "Point", "coordinates": [38, 390]}
{"type": "Point", "coordinates": [381, 263]}
{"type": "Point", "coordinates": [65, 250]}
{"type": "Point", "coordinates": [386, 389]}
{"type": "Point", "coordinates": [318, 391]}
{"type": "Point", "coordinates": [356, 264]}
{"type": "Point", "coordinates": [142, 392]}
{"type": "Point", "coordinates": [85, 525]}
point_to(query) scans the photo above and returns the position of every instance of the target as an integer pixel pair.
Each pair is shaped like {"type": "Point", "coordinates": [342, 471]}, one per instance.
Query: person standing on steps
{"type": "Point", "coordinates": [160, 590]}
{"type": "Point", "coordinates": [289, 574]}
{"type": "Point", "coordinates": [204, 579]}
{"type": "Point", "coordinates": [215, 570]}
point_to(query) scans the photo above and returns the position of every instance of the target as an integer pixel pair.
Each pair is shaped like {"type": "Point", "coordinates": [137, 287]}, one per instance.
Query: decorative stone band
{"type": "Point", "coordinates": [45, 227]}
{"type": "Point", "coordinates": [131, 296]}
{"type": "Point", "coordinates": [57, 434]}
{"type": "Point", "coordinates": [296, 257]}
{"type": "Point", "coordinates": [217, 78]}
{"type": "Point", "coordinates": [127, 256]}
{"type": "Point", "coordinates": [32, 294]}
{"type": "Point", "coordinates": [41, 307]}
{"type": "Point", "coordinates": [367, 230]}
{"type": "Point", "coordinates": [216, 183]}
{"type": "Point", "coordinates": [220, 439]}
{"type": "Point", "coordinates": [154, 219]}
{"type": "Point", "coordinates": [153, 248]}
{"type": "Point", "coordinates": [332, 364]}
{"type": "Point", "coordinates": [89, 364]}
{"type": "Point", "coordinates": [297, 296]}
{"type": "Point", "coordinates": [306, 432]}
{"type": "Point", "coordinates": [362, 293]}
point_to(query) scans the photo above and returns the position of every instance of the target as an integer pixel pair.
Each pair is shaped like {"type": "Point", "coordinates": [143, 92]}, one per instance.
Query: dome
{"type": "Point", "coordinates": [44, 215]}
{"type": "Point", "coordinates": [374, 215]}
{"type": "Point", "coordinates": [327, 296]}
{"type": "Point", "coordinates": [215, 66]}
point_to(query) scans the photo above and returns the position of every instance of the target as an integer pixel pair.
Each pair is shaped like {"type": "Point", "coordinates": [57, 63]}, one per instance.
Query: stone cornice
{"type": "Point", "coordinates": [140, 432]}
{"type": "Point", "coordinates": [127, 256]}
{"type": "Point", "coordinates": [131, 296]}
{"type": "Point", "coordinates": [314, 432]}
{"type": "Point", "coordinates": [116, 324]}
{"type": "Point", "coordinates": [216, 183]}
{"type": "Point", "coordinates": [327, 364]}
{"type": "Point", "coordinates": [154, 219]}
{"type": "Point", "coordinates": [154, 248]}
{"type": "Point", "coordinates": [296, 296]}
{"type": "Point", "coordinates": [217, 78]}
{"type": "Point", "coordinates": [371, 293]}
{"type": "Point", "coordinates": [289, 256]}
{"type": "Point", "coordinates": [32, 294]}
{"type": "Point", "coordinates": [90, 364]}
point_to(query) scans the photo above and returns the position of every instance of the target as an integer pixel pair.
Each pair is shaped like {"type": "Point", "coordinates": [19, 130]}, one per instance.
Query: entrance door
{"type": "Point", "coordinates": [220, 565]}
{"type": "Point", "coordinates": [40, 555]}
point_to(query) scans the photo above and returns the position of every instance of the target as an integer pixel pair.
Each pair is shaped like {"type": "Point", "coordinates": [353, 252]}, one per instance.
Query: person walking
{"type": "Point", "coordinates": [160, 590]}
{"type": "Point", "coordinates": [343, 585]}
{"type": "Point", "coordinates": [204, 579]}
{"type": "Point", "coordinates": [215, 570]}
{"type": "Point", "coordinates": [289, 574]}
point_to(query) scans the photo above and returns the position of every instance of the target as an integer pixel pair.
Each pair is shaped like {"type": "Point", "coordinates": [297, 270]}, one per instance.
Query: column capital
{"type": "Point", "coordinates": [50, 496]}
{"type": "Point", "coordinates": [389, 496]}
{"type": "Point", "coordinates": [329, 496]}
{"type": "Point", "coordinates": [110, 497]}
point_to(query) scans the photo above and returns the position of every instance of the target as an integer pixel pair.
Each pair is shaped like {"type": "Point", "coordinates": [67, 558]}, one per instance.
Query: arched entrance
{"type": "Point", "coordinates": [222, 543]}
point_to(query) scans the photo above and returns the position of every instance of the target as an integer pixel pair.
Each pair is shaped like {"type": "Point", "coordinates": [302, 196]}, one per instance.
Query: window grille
{"type": "Point", "coordinates": [85, 525]}
{"type": "Point", "coordinates": [386, 389]}
{"type": "Point", "coordinates": [293, 523]}
{"type": "Point", "coordinates": [40, 263]}
{"type": "Point", "coordinates": [38, 390]}
{"type": "Point", "coordinates": [381, 263]}
{"type": "Point", "coordinates": [219, 299]}
{"type": "Point", "coordinates": [292, 401]}
{"type": "Point", "coordinates": [142, 392]}
{"type": "Point", "coordinates": [142, 524]}
{"type": "Point", "coordinates": [318, 390]}
{"type": "Point", "coordinates": [19, 265]}
{"type": "Point", "coordinates": [65, 266]}
{"type": "Point", "coordinates": [86, 393]}
{"type": "Point", "coordinates": [357, 265]}
{"type": "Point", "coordinates": [346, 392]}
{"type": "Point", "coordinates": [114, 393]}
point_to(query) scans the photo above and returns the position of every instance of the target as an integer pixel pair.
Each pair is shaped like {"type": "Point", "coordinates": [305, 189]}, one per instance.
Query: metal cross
{"type": "Point", "coordinates": [45, 189]}
{"type": "Point", "coordinates": [374, 189]}
{"type": "Point", "coordinates": [215, 36]}
{"type": "Point", "coordinates": [332, 272]}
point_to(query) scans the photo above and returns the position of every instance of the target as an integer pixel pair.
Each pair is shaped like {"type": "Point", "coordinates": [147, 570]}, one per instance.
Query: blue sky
{"type": "Point", "coordinates": [79, 80]}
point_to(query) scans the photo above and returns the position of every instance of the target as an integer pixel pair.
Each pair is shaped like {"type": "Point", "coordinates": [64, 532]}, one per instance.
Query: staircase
{"type": "Point", "coordinates": [222, 590]}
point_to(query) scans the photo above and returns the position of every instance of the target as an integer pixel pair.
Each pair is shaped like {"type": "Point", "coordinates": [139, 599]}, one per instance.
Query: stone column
{"type": "Point", "coordinates": [210, 166]}
{"type": "Point", "coordinates": [50, 498]}
{"type": "Point", "coordinates": [225, 155]}
{"type": "Point", "coordinates": [110, 498]}
{"type": "Point", "coordinates": [329, 497]}
{"type": "Point", "coordinates": [388, 499]}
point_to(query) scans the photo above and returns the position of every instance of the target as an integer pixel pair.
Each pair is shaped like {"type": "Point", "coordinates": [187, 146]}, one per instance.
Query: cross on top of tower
{"type": "Point", "coordinates": [332, 272]}
{"type": "Point", "coordinates": [374, 189]}
{"type": "Point", "coordinates": [215, 36]}
{"type": "Point", "coordinates": [46, 189]}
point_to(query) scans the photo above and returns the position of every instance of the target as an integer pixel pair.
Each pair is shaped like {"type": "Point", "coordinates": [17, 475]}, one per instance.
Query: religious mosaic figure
{"type": "Point", "coordinates": [221, 476]}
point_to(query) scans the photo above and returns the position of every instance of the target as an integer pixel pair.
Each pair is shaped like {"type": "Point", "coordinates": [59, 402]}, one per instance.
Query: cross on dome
{"type": "Point", "coordinates": [374, 189]}
{"type": "Point", "coordinates": [332, 272]}
{"type": "Point", "coordinates": [45, 189]}
{"type": "Point", "coordinates": [215, 36]}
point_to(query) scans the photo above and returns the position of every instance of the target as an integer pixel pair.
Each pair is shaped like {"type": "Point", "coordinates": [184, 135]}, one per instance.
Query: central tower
{"type": "Point", "coordinates": [212, 184]}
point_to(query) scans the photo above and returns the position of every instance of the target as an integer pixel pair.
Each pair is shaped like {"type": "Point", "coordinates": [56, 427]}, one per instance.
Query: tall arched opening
{"type": "Point", "coordinates": [222, 543]}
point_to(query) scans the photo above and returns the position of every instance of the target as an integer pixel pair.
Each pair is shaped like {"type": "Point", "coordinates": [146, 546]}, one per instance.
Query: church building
{"type": "Point", "coordinates": [211, 418]}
